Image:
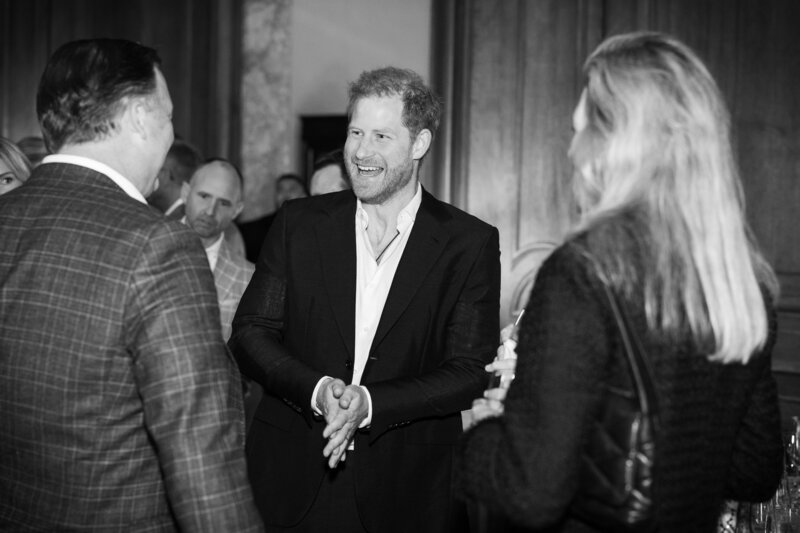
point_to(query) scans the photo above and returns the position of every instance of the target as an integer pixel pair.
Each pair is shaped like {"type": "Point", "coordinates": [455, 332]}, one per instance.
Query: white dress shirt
{"type": "Point", "coordinates": [212, 252]}
{"type": "Point", "coordinates": [123, 182]}
{"type": "Point", "coordinates": [374, 277]}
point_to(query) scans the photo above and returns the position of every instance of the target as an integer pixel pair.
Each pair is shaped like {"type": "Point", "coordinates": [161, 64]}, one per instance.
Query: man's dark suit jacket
{"type": "Point", "coordinates": [119, 407]}
{"type": "Point", "coordinates": [439, 328]}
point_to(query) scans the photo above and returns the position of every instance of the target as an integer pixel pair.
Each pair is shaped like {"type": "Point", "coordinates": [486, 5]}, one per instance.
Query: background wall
{"type": "Point", "coordinates": [199, 42]}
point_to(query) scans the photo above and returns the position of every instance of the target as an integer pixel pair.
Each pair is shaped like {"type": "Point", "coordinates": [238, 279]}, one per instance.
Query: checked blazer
{"type": "Point", "coordinates": [120, 408]}
{"type": "Point", "coordinates": [231, 276]}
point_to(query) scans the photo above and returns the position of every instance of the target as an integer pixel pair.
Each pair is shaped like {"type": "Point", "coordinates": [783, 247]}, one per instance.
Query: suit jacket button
{"type": "Point", "coordinates": [348, 364]}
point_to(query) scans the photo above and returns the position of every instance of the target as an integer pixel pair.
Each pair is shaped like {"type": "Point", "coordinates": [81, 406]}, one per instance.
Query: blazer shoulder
{"type": "Point", "coordinates": [323, 203]}
{"type": "Point", "coordinates": [237, 269]}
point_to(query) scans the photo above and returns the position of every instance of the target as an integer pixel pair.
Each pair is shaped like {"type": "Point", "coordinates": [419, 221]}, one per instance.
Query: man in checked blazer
{"type": "Point", "coordinates": [212, 199]}
{"type": "Point", "coordinates": [120, 408]}
{"type": "Point", "coordinates": [368, 321]}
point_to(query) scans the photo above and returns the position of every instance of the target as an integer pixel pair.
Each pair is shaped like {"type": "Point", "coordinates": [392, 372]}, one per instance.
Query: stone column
{"type": "Point", "coordinates": [266, 101]}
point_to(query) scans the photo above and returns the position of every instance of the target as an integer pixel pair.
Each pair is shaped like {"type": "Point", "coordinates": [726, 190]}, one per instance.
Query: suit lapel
{"type": "Point", "coordinates": [425, 244]}
{"type": "Point", "coordinates": [337, 244]}
{"type": "Point", "coordinates": [177, 213]}
{"type": "Point", "coordinates": [224, 273]}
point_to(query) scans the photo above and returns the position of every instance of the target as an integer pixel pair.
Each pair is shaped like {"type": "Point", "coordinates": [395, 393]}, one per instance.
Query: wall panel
{"type": "Point", "coordinates": [199, 43]}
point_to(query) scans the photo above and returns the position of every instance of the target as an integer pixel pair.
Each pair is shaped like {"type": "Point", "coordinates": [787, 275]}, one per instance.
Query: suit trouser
{"type": "Point", "coordinates": [334, 510]}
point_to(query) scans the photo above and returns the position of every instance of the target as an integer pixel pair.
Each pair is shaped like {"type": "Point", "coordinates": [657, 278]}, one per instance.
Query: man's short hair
{"type": "Point", "coordinates": [84, 84]}
{"type": "Point", "coordinates": [422, 109]}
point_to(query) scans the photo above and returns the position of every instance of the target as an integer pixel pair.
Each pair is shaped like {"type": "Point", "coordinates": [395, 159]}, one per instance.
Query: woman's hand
{"type": "Point", "coordinates": [503, 367]}
{"type": "Point", "coordinates": [491, 404]}
{"type": "Point", "coordinates": [504, 364]}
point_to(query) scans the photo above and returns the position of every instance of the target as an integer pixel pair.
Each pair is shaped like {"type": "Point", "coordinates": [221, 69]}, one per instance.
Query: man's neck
{"type": "Point", "coordinates": [385, 214]}
{"type": "Point", "coordinates": [109, 153]}
{"type": "Point", "coordinates": [383, 217]}
{"type": "Point", "coordinates": [208, 242]}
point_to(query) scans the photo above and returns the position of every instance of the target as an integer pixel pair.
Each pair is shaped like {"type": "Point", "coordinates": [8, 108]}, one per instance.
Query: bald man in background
{"type": "Point", "coordinates": [213, 198]}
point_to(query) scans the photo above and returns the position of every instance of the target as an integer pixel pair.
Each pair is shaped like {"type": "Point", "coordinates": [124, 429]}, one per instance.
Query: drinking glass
{"type": "Point", "coordinates": [506, 351]}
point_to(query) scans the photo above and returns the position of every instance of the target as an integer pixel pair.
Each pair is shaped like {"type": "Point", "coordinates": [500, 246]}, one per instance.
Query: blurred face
{"type": "Point", "coordinates": [328, 179]}
{"type": "Point", "coordinates": [8, 180]}
{"type": "Point", "coordinates": [379, 152]}
{"type": "Point", "coordinates": [160, 130]}
{"type": "Point", "coordinates": [213, 200]}
{"type": "Point", "coordinates": [288, 189]}
{"type": "Point", "coordinates": [579, 123]}
{"type": "Point", "coordinates": [583, 154]}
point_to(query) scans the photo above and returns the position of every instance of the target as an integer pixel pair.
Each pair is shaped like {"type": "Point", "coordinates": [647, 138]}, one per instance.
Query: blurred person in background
{"type": "Point", "coordinates": [287, 187]}
{"type": "Point", "coordinates": [329, 174]}
{"type": "Point", "coordinates": [213, 198]}
{"type": "Point", "coordinates": [662, 224]}
{"type": "Point", "coordinates": [14, 166]}
{"type": "Point", "coordinates": [181, 162]}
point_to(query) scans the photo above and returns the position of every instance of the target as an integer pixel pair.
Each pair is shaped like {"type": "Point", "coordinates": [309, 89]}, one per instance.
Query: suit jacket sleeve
{"type": "Point", "coordinates": [257, 338]}
{"type": "Point", "coordinates": [189, 385]}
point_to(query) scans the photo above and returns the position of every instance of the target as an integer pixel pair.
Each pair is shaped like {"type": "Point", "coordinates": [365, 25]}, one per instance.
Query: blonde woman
{"type": "Point", "coordinates": [662, 221]}
{"type": "Point", "coordinates": [14, 166]}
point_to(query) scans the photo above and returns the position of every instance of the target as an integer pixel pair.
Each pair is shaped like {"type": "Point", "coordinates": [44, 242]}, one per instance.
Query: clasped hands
{"type": "Point", "coordinates": [344, 408]}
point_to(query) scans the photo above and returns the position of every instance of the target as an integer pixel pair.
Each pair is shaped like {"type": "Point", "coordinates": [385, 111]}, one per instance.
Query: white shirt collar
{"type": "Point", "coordinates": [212, 252]}
{"type": "Point", "coordinates": [215, 246]}
{"type": "Point", "coordinates": [175, 205]}
{"type": "Point", "coordinates": [121, 181]}
{"type": "Point", "coordinates": [406, 216]}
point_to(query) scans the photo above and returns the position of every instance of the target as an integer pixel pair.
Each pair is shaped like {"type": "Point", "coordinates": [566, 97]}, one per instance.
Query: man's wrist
{"type": "Point", "coordinates": [315, 404]}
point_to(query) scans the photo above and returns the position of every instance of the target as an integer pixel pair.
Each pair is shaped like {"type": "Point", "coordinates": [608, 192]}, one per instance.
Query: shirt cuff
{"type": "Point", "coordinates": [367, 421]}
{"type": "Point", "coordinates": [314, 394]}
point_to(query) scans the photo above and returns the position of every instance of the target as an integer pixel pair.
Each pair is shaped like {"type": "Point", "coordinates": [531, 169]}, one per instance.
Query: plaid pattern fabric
{"type": "Point", "coordinates": [120, 407]}
{"type": "Point", "coordinates": [231, 276]}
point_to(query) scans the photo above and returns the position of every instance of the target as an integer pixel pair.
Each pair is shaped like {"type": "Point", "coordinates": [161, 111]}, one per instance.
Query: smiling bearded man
{"type": "Point", "coordinates": [368, 322]}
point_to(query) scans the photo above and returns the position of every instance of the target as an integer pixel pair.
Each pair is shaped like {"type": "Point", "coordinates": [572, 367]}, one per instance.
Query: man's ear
{"type": "Point", "coordinates": [184, 191]}
{"type": "Point", "coordinates": [239, 207]}
{"type": "Point", "coordinates": [136, 113]}
{"type": "Point", "coordinates": [421, 144]}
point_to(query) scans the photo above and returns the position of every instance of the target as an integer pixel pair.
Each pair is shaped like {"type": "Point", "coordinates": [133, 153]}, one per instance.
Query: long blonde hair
{"type": "Point", "coordinates": [657, 140]}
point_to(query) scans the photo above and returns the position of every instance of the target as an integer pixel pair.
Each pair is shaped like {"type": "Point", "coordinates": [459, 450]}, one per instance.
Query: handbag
{"type": "Point", "coordinates": [616, 491]}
